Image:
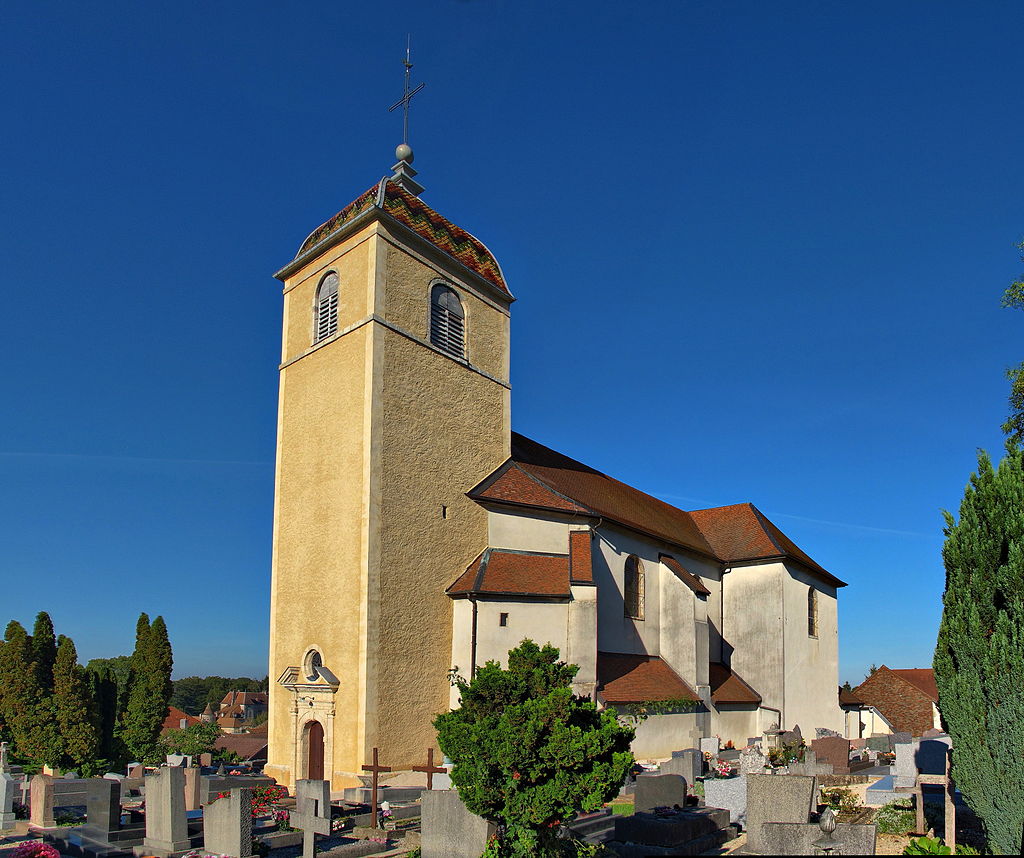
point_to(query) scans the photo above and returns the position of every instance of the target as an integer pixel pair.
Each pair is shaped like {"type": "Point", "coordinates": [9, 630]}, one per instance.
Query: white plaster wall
{"type": "Point", "coordinates": [660, 735]}
{"type": "Point", "coordinates": [527, 532]}
{"type": "Point", "coordinates": [462, 642]}
{"type": "Point", "coordinates": [735, 723]}
{"type": "Point", "coordinates": [752, 631]}
{"type": "Point", "coordinates": [812, 663]}
{"type": "Point", "coordinates": [542, 622]}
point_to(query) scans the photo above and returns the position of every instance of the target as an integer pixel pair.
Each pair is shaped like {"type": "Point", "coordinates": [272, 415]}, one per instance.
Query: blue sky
{"type": "Point", "coordinates": [767, 241]}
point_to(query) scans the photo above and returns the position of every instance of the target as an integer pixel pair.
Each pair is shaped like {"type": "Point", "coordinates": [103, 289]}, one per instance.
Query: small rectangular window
{"type": "Point", "coordinates": [444, 511]}
{"type": "Point", "coordinates": [502, 619]}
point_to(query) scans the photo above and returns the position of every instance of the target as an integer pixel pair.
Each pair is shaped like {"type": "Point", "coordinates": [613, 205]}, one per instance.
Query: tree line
{"type": "Point", "coordinates": [54, 712]}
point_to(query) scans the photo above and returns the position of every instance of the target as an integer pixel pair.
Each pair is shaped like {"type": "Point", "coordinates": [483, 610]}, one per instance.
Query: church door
{"type": "Point", "coordinates": [315, 744]}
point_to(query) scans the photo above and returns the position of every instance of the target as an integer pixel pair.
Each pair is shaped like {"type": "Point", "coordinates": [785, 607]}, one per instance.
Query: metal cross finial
{"type": "Point", "coordinates": [408, 94]}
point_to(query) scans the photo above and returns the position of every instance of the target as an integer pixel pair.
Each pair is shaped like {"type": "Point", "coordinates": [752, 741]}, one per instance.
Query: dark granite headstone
{"type": "Point", "coordinates": [103, 806]}
{"type": "Point", "coordinates": [835, 752]}
{"type": "Point", "coordinates": [931, 755]}
{"type": "Point", "coordinates": [659, 791]}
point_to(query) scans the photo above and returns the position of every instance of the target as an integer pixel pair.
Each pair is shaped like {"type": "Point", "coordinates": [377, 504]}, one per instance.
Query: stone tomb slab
{"type": "Point", "coordinates": [794, 838]}
{"type": "Point", "coordinates": [688, 763]}
{"type": "Point", "coordinates": [659, 791]}
{"type": "Point", "coordinates": [777, 798]}
{"type": "Point", "coordinates": [449, 830]}
{"type": "Point", "coordinates": [729, 794]}
{"type": "Point", "coordinates": [676, 829]}
{"type": "Point", "coordinates": [227, 825]}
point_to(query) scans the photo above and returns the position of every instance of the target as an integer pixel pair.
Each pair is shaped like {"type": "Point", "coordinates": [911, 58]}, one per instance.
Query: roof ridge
{"type": "Point", "coordinates": [767, 526]}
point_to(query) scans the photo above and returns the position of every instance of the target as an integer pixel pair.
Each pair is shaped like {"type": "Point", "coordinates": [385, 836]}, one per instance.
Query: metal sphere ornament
{"type": "Point", "coordinates": [403, 152]}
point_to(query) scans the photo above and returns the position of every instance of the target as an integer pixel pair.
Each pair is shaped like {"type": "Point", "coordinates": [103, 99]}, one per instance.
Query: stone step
{"type": "Point", "coordinates": [594, 827]}
{"type": "Point", "coordinates": [698, 846]}
{"type": "Point", "coordinates": [675, 830]}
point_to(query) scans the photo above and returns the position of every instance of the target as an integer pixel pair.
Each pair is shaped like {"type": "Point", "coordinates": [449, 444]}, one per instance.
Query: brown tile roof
{"type": "Point", "coordinates": [631, 678]}
{"type": "Point", "coordinates": [581, 488]}
{"type": "Point", "coordinates": [515, 573]}
{"type": "Point", "coordinates": [904, 697]}
{"type": "Point", "coordinates": [511, 484]}
{"type": "Point", "coordinates": [729, 687]}
{"type": "Point", "coordinates": [922, 678]}
{"type": "Point", "coordinates": [687, 577]}
{"type": "Point", "coordinates": [742, 532]}
{"type": "Point", "coordinates": [174, 718]}
{"type": "Point", "coordinates": [581, 565]}
{"type": "Point", "coordinates": [415, 214]}
{"type": "Point", "coordinates": [849, 698]}
{"type": "Point", "coordinates": [245, 698]}
{"type": "Point", "coordinates": [247, 745]}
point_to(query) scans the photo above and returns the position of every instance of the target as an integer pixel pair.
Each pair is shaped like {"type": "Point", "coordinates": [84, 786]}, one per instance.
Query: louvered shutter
{"type": "Point", "coordinates": [447, 322]}
{"type": "Point", "coordinates": [327, 307]}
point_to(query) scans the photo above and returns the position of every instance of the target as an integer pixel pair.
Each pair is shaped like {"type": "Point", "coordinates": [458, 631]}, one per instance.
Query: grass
{"type": "Point", "coordinates": [621, 808]}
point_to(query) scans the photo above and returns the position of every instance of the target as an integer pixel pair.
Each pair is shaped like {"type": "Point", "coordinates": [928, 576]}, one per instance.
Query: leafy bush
{"type": "Point", "coordinates": [839, 799]}
{"type": "Point", "coordinates": [927, 846]}
{"type": "Point", "coordinates": [897, 817]}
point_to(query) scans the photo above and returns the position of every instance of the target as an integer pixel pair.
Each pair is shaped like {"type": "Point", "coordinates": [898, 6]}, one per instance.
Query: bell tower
{"type": "Point", "coordinates": [394, 402]}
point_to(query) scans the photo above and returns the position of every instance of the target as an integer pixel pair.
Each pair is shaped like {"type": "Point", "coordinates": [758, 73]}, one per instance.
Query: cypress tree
{"type": "Point", "coordinates": [44, 651]}
{"type": "Point", "coordinates": [979, 657]}
{"type": "Point", "coordinates": [24, 705]}
{"type": "Point", "coordinates": [163, 661]}
{"type": "Point", "coordinates": [150, 689]}
{"type": "Point", "coordinates": [74, 707]}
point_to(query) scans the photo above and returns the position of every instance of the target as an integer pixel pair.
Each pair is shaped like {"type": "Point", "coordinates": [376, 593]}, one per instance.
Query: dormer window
{"type": "Point", "coordinates": [326, 322]}
{"type": "Point", "coordinates": [447, 321]}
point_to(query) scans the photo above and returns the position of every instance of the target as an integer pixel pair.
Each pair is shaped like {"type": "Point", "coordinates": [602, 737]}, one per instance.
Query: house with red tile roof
{"type": "Point", "coordinates": [906, 699]}
{"type": "Point", "coordinates": [415, 532]}
{"type": "Point", "coordinates": [177, 720]}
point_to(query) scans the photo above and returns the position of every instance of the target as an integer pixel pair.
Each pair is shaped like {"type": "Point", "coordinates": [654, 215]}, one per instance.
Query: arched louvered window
{"type": "Point", "coordinates": [634, 588]}
{"type": "Point", "coordinates": [447, 321]}
{"type": "Point", "coordinates": [812, 612]}
{"type": "Point", "coordinates": [326, 321]}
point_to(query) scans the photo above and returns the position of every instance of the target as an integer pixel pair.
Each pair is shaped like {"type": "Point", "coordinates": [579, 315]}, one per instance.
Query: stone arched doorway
{"type": "Point", "coordinates": [314, 750]}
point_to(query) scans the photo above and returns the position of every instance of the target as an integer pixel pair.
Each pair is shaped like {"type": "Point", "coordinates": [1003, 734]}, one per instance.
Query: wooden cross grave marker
{"type": "Point", "coordinates": [376, 770]}
{"type": "Point", "coordinates": [430, 769]}
{"type": "Point", "coordinates": [312, 812]}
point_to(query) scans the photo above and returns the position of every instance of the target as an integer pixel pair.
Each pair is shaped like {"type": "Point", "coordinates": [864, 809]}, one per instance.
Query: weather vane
{"type": "Point", "coordinates": [407, 95]}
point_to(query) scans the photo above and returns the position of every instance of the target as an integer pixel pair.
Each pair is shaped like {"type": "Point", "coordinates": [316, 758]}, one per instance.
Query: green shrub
{"type": "Point", "coordinates": [966, 849]}
{"type": "Point", "coordinates": [839, 799]}
{"type": "Point", "coordinates": [896, 818]}
{"type": "Point", "coordinates": [927, 846]}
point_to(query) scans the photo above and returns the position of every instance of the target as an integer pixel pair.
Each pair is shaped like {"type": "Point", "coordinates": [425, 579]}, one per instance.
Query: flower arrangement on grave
{"type": "Point", "coordinates": [721, 769]}
{"type": "Point", "coordinates": [282, 820]}
{"type": "Point", "coordinates": [264, 797]}
{"type": "Point", "coordinates": [34, 849]}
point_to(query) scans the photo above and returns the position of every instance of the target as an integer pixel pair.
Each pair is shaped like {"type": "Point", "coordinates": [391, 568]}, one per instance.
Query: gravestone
{"type": "Point", "coordinates": [834, 751]}
{"type": "Point", "coordinates": [777, 798]}
{"type": "Point", "coordinates": [906, 765]}
{"type": "Point", "coordinates": [137, 770]}
{"type": "Point", "coordinates": [794, 838]}
{"type": "Point", "coordinates": [166, 823]}
{"type": "Point", "coordinates": [900, 738]}
{"type": "Point", "coordinates": [193, 782]}
{"type": "Point", "coordinates": [711, 745]}
{"type": "Point", "coordinates": [880, 743]}
{"type": "Point", "coordinates": [227, 825]}
{"type": "Point", "coordinates": [312, 812]}
{"type": "Point", "coordinates": [206, 759]}
{"type": "Point", "coordinates": [102, 808]}
{"type": "Point", "coordinates": [177, 760]}
{"type": "Point", "coordinates": [729, 794]}
{"type": "Point", "coordinates": [792, 737]}
{"type": "Point", "coordinates": [688, 763]}
{"type": "Point", "coordinates": [41, 802]}
{"type": "Point", "coordinates": [659, 791]}
{"type": "Point", "coordinates": [7, 787]}
{"type": "Point", "coordinates": [752, 761]}
{"type": "Point", "coordinates": [931, 755]}
{"type": "Point", "coordinates": [856, 744]}
{"type": "Point", "coordinates": [449, 830]}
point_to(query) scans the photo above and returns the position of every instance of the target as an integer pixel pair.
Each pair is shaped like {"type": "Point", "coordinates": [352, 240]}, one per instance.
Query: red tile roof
{"type": "Point", "coordinates": [687, 577]}
{"type": "Point", "coordinates": [922, 678]}
{"type": "Point", "coordinates": [248, 746]}
{"type": "Point", "coordinates": [245, 698]}
{"type": "Point", "coordinates": [519, 573]}
{"type": "Point", "coordinates": [632, 678]}
{"type": "Point", "coordinates": [729, 687]}
{"type": "Point", "coordinates": [849, 698]}
{"type": "Point", "coordinates": [415, 214]}
{"type": "Point", "coordinates": [905, 697]}
{"type": "Point", "coordinates": [174, 719]}
{"type": "Point", "coordinates": [742, 532]}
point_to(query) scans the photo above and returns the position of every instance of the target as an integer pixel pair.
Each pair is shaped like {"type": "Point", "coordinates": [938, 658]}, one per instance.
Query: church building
{"type": "Point", "coordinates": [415, 532]}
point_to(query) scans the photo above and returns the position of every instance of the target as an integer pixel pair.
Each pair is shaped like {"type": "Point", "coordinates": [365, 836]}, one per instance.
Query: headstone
{"type": "Point", "coordinates": [176, 759]}
{"type": "Point", "coordinates": [41, 802]}
{"type": "Point", "coordinates": [227, 825]}
{"type": "Point", "coordinates": [900, 738]}
{"type": "Point", "coordinates": [777, 798]}
{"type": "Point", "coordinates": [710, 745]}
{"type": "Point", "coordinates": [166, 823]}
{"type": "Point", "coordinates": [824, 733]}
{"type": "Point", "coordinates": [906, 765]}
{"type": "Point", "coordinates": [449, 830]}
{"type": "Point", "coordinates": [4, 766]}
{"type": "Point", "coordinates": [659, 791]}
{"type": "Point", "coordinates": [312, 812]}
{"type": "Point", "coordinates": [857, 744]}
{"type": "Point", "coordinates": [931, 755]}
{"type": "Point", "coordinates": [137, 771]}
{"type": "Point", "coordinates": [880, 743]}
{"type": "Point", "coordinates": [754, 740]}
{"type": "Point", "coordinates": [752, 761]}
{"type": "Point", "coordinates": [834, 751]}
{"type": "Point", "coordinates": [688, 763]}
{"type": "Point", "coordinates": [193, 782]}
{"type": "Point", "coordinates": [102, 807]}
{"type": "Point", "coordinates": [792, 737]}
{"type": "Point", "coordinates": [7, 787]}
{"type": "Point", "coordinates": [729, 794]}
{"type": "Point", "coordinates": [794, 838]}
{"type": "Point", "coordinates": [931, 733]}
{"type": "Point", "coordinates": [206, 759]}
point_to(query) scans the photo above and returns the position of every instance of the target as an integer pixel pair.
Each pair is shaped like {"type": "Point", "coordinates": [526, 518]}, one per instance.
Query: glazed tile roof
{"type": "Point", "coordinates": [729, 687]}
{"type": "Point", "coordinates": [687, 577]}
{"type": "Point", "coordinates": [632, 678]}
{"type": "Point", "coordinates": [415, 214]}
{"type": "Point", "coordinates": [514, 573]}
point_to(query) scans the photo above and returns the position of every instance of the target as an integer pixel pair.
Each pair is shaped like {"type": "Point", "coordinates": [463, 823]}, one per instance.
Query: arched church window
{"type": "Point", "coordinates": [634, 588]}
{"type": "Point", "coordinates": [812, 612]}
{"type": "Point", "coordinates": [326, 321]}
{"type": "Point", "coordinates": [447, 321]}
